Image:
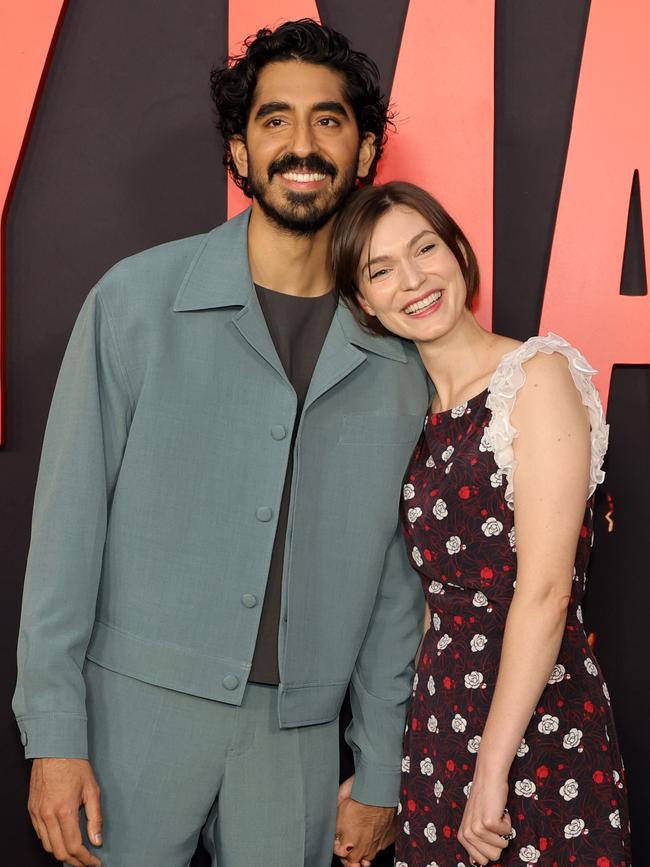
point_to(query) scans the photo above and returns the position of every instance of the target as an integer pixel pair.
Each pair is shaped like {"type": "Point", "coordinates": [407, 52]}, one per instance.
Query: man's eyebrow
{"type": "Point", "coordinates": [268, 108]}
{"type": "Point", "coordinates": [333, 106]}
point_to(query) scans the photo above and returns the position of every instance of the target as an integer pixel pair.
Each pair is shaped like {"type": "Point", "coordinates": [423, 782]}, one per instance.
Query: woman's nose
{"type": "Point", "coordinates": [412, 275]}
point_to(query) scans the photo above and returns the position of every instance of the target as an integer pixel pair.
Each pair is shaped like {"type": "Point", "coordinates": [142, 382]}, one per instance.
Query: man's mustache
{"type": "Point", "coordinates": [311, 163]}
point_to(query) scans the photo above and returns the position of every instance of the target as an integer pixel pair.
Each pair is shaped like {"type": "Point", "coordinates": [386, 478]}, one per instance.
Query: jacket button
{"type": "Point", "coordinates": [248, 600]}
{"type": "Point", "coordinates": [278, 431]}
{"type": "Point", "coordinates": [264, 514]}
{"type": "Point", "coordinates": [23, 738]}
{"type": "Point", "coordinates": [230, 681]}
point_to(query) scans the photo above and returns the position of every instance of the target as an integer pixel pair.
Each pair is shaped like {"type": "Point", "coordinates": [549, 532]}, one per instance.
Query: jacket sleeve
{"type": "Point", "coordinates": [381, 682]}
{"type": "Point", "coordinates": [84, 441]}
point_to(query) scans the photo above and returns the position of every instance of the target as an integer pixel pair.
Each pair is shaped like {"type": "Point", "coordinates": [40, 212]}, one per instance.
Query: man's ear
{"type": "Point", "coordinates": [367, 151]}
{"type": "Point", "coordinates": [363, 304]}
{"type": "Point", "coordinates": [239, 153]}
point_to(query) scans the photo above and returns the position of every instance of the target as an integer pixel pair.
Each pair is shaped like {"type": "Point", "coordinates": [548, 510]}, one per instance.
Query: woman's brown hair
{"type": "Point", "coordinates": [354, 227]}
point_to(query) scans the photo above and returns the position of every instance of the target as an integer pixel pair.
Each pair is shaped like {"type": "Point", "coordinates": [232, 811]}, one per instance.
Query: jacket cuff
{"type": "Point", "coordinates": [54, 737]}
{"type": "Point", "coordinates": [377, 788]}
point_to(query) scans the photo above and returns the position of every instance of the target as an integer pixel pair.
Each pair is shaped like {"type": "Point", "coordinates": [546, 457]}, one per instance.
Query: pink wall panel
{"type": "Point", "coordinates": [610, 138]}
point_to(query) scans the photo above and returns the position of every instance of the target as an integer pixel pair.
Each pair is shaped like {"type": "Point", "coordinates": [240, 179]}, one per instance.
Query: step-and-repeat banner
{"type": "Point", "coordinates": [529, 120]}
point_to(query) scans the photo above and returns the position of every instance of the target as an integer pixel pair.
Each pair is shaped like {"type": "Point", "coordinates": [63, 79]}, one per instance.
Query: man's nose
{"type": "Point", "coordinates": [303, 139]}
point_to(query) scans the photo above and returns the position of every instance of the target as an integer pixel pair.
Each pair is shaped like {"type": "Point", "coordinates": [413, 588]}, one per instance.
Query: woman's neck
{"type": "Point", "coordinates": [461, 362]}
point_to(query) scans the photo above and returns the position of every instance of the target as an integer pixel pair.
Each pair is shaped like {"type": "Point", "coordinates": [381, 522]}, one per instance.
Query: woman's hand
{"type": "Point", "coordinates": [485, 821]}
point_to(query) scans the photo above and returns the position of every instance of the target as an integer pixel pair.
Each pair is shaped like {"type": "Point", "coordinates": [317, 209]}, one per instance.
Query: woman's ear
{"type": "Point", "coordinates": [363, 304]}
{"type": "Point", "coordinates": [462, 249]}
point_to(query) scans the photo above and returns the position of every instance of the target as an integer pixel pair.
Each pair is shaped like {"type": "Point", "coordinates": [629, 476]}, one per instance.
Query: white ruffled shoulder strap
{"type": "Point", "coordinates": [506, 381]}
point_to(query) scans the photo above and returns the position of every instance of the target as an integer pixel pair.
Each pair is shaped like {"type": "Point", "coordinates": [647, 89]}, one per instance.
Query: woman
{"type": "Point", "coordinates": [510, 751]}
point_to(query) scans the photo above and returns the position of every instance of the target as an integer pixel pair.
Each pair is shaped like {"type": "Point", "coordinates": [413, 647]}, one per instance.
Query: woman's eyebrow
{"type": "Point", "coordinates": [411, 243]}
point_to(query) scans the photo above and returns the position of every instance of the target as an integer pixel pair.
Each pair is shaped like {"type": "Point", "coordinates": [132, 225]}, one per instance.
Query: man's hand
{"type": "Point", "coordinates": [361, 830]}
{"type": "Point", "coordinates": [58, 788]}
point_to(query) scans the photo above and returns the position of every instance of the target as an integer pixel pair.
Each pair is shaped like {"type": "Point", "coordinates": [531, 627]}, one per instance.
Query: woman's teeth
{"type": "Point", "coordinates": [303, 178]}
{"type": "Point", "coordinates": [419, 306]}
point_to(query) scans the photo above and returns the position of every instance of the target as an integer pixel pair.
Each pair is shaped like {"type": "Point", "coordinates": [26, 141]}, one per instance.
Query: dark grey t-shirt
{"type": "Point", "coordinates": [298, 327]}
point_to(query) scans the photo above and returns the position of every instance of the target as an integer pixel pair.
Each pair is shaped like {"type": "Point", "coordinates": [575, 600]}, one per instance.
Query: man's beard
{"type": "Point", "coordinates": [300, 213]}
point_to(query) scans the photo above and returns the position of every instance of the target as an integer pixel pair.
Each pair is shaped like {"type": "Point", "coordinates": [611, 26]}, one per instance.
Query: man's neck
{"type": "Point", "coordinates": [285, 262]}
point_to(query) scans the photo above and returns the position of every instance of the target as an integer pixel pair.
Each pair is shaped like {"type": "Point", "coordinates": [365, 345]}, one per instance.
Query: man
{"type": "Point", "coordinates": [215, 553]}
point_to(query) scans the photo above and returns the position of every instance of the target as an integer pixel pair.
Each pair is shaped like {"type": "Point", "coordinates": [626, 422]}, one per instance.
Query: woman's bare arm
{"type": "Point", "coordinates": [551, 482]}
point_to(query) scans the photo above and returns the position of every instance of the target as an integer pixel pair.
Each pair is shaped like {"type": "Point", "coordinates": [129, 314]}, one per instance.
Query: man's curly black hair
{"type": "Point", "coordinates": [233, 85]}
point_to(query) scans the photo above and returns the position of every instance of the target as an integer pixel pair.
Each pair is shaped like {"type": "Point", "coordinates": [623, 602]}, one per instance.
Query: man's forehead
{"type": "Point", "coordinates": [299, 83]}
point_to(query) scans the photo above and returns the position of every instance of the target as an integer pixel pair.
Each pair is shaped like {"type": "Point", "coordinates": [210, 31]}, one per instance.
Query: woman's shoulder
{"type": "Point", "coordinates": [551, 369]}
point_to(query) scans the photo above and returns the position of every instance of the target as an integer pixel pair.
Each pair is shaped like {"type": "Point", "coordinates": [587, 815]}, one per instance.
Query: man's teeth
{"type": "Point", "coordinates": [424, 303]}
{"type": "Point", "coordinates": [303, 178]}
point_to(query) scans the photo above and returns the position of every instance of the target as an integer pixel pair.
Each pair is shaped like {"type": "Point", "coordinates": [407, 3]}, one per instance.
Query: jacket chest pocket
{"type": "Point", "coordinates": [375, 429]}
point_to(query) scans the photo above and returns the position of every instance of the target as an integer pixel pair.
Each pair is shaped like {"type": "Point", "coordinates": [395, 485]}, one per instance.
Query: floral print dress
{"type": "Point", "coordinates": [567, 798]}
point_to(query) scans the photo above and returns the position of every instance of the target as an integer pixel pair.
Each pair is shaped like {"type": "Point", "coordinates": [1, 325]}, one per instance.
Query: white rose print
{"type": "Point", "coordinates": [444, 641]}
{"type": "Point", "coordinates": [431, 685]}
{"type": "Point", "coordinates": [453, 545]}
{"type": "Point", "coordinates": [574, 828]}
{"type": "Point", "coordinates": [548, 724]}
{"type": "Point", "coordinates": [438, 789]}
{"type": "Point", "coordinates": [432, 724]}
{"type": "Point", "coordinates": [496, 479]}
{"type": "Point", "coordinates": [605, 691]}
{"type": "Point", "coordinates": [416, 680]}
{"type": "Point", "coordinates": [399, 808]}
{"type": "Point", "coordinates": [525, 788]}
{"type": "Point", "coordinates": [486, 444]}
{"type": "Point", "coordinates": [417, 557]}
{"type": "Point", "coordinates": [492, 527]}
{"type": "Point", "coordinates": [569, 790]}
{"type": "Point", "coordinates": [474, 743]}
{"type": "Point", "coordinates": [467, 789]}
{"type": "Point", "coordinates": [430, 462]}
{"type": "Point", "coordinates": [414, 514]}
{"type": "Point", "coordinates": [615, 819]}
{"type": "Point", "coordinates": [436, 621]}
{"type": "Point", "coordinates": [430, 832]}
{"type": "Point", "coordinates": [426, 766]}
{"type": "Point", "coordinates": [407, 827]}
{"type": "Point", "coordinates": [436, 587]}
{"type": "Point", "coordinates": [591, 668]}
{"type": "Point", "coordinates": [523, 748]}
{"type": "Point", "coordinates": [557, 674]}
{"type": "Point", "coordinates": [479, 599]}
{"type": "Point", "coordinates": [401, 864]}
{"type": "Point", "coordinates": [459, 410]}
{"type": "Point", "coordinates": [572, 739]}
{"type": "Point", "coordinates": [473, 680]}
{"type": "Point", "coordinates": [529, 854]}
{"type": "Point", "coordinates": [579, 613]}
{"type": "Point", "coordinates": [448, 468]}
{"type": "Point", "coordinates": [512, 539]}
{"type": "Point", "coordinates": [408, 492]}
{"type": "Point", "coordinates": [478, 642]}
{"type": "Point", "coordinates": [448, 452]}
{"type": "Point", "coordinates": [459, 723]}
{"type": "Point", "coordinates": [440, 509]}
{"type": "Point", "coordinates": [406, 764]}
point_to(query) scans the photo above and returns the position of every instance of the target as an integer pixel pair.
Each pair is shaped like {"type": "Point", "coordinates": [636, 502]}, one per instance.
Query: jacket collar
{"type": "Point", "coordinates": [219, 276]}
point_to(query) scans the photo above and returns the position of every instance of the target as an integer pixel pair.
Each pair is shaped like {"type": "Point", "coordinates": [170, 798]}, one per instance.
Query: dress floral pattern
{"type": "Point", "coordinates": [567, 798]}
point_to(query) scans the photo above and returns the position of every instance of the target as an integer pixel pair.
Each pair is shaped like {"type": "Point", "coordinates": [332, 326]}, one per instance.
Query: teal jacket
{"type": "Point", "coordinates": [162, 470]}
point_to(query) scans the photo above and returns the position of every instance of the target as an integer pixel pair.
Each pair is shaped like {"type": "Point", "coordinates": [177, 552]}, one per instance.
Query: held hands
{"type": "Point", "coordinates": [361, 830]}
{"type": "Point", "coordinates": [485, 828]}
{"type": "Point", "coordinates": [58, 788]}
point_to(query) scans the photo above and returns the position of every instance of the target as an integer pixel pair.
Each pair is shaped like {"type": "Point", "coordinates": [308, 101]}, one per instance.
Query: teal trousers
{"type": "Point", "coordinates": [173, 767]}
